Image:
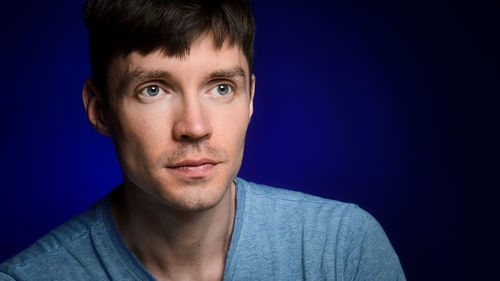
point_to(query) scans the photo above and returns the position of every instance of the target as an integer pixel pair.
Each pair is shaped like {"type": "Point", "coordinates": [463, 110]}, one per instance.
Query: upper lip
{"type": "Point", "coordinates": [192, 163]}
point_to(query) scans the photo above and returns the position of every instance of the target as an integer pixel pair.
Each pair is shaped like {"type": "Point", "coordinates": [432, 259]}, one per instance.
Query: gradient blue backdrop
{"type": "Point", "coordinates": [387, 104]}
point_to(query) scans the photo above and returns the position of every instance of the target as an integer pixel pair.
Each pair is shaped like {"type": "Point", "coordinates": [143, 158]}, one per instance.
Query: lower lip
{"type": "Point", "coordinates": [200, 171]}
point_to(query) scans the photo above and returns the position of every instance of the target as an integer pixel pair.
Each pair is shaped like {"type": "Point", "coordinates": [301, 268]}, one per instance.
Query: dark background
{"type": "Point", "coordinates": [388, 104]}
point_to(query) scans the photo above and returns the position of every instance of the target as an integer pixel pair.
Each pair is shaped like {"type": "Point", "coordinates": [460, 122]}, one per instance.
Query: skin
{"type": "Point", "coordinates": [177, 216]}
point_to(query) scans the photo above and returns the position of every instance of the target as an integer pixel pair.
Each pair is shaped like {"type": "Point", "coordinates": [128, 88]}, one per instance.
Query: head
{"type": "Point", "coordinates": [172, 85]}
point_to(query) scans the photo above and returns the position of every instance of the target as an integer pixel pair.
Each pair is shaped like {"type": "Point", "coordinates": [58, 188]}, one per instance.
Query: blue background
{"type": "Point", "coordinates": [387, 104]}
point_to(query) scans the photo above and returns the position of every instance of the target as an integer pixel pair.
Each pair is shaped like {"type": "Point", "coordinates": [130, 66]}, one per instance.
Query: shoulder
{"type": "Point", "coordinates": [66, 243]}
{"type": "Point", "coordinates": [278, 209]}
{"type": "Point", "coordinates": [320, 231]}
{"type": "Point", "coordinates": [264, 198]}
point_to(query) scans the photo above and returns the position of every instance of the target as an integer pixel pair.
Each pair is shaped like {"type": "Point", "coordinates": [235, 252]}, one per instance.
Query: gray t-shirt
{"type": "Point", "coordinates": [278, 235]}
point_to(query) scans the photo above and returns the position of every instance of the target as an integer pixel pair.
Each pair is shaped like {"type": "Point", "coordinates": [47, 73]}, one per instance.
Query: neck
{"type": "Point", "coordinates": [174, 244]}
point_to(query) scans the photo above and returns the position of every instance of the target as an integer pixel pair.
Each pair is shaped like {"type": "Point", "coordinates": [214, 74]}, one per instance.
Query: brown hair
{"type": "Point", "coordinates": [118, 27]}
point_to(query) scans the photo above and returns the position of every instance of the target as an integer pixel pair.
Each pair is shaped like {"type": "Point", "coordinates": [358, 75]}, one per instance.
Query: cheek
{"type": "Point", "coordinates": [231, 126]}
{"type": "Point", "coordinates": [141, 134]}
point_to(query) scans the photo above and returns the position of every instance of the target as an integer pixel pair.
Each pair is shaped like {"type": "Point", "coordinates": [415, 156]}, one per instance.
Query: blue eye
{"type": "Point", "coordinates": [151, 91]}
{"type": "Point", "coordinates": [223, 89]}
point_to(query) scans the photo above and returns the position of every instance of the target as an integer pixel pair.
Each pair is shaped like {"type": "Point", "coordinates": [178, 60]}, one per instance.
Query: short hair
{"type": "Point", "coordinates": [118, 27]}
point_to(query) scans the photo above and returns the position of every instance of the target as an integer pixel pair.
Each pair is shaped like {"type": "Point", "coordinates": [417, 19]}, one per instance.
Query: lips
{"type": "Point", "coordinates": [193, 163]}
{"type": "Point", "coordinates": [193, 168]}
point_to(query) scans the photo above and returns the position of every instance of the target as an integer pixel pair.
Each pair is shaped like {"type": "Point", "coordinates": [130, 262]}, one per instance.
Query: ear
{"type": "Point", "coordinates": [252, 94]}
{"type": "Point", "coordinates": [94, 107]}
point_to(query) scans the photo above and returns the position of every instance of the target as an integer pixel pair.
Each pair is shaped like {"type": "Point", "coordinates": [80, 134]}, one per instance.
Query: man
{"type": "Point", "coordinates": [172, 85]}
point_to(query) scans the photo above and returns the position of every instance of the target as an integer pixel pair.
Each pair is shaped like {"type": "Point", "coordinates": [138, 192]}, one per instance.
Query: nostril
{"type": "Point", "coordinates": [191, 130]}
{"type": "Point", "coordinates": [193, 136]}
{"type": "Point", "coordinates": [190, 124]}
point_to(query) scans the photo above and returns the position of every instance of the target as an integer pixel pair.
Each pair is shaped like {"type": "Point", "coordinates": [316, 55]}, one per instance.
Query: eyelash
{"type": "Point", "coordinates": [231, 86]}
{"type": "Point", "coordinates": [161, 93]}
{"type": "Point", "coordinates": [216, 84]}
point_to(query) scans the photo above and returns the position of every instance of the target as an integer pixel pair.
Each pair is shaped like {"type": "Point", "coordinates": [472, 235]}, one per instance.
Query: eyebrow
{"type": "Point", "coordinates": [143, 75]}
{"type": "Point", "coordinates": [236, 71]}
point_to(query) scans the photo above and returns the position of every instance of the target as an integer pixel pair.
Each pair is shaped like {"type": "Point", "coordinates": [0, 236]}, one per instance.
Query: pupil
{"type": "Point", "coordinates": [223, 89]}
{"type": "Point", "coordinates": [152, 90]}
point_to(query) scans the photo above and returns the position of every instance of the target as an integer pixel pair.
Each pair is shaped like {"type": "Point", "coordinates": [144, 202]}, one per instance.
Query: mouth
{"type": "Point", "coordinates": [193, 168]}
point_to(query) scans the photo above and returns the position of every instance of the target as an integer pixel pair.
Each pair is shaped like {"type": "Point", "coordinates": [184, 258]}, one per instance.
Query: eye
{"type": "Point", "coordinates": [222, 90]}
{"type": "Point", "coordinates": [152, 91]}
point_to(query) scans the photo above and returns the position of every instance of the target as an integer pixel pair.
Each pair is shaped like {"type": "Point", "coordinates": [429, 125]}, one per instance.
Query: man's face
{"type": "Point", "coordinates": [179, 124]}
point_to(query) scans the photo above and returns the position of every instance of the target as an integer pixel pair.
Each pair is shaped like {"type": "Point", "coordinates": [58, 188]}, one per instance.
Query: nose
{"type": "Point", "coordinates": [191, 124]}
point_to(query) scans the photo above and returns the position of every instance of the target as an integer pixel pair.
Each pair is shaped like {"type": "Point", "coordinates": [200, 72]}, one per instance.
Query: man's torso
{"type": "Point", "coordinates": [278, 235]}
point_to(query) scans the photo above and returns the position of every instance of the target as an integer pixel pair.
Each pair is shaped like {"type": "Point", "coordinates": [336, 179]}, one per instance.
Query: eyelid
{"type": "Point", "coordinates": [213, 91]}
{"type": "Point", "coordinates": [147, 98]}
{"type": "Point", "coordinates": [217, 82]}
{"type": "Point", "coordinates": [158, 84]}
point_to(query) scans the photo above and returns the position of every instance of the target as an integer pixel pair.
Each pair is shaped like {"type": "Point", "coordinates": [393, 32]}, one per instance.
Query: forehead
{"type": "Point", "coordinates": [202, 59]}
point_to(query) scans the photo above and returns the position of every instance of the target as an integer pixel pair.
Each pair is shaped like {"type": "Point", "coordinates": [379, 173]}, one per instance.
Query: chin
{"type": "Point", "coordinates": [195, 196]}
